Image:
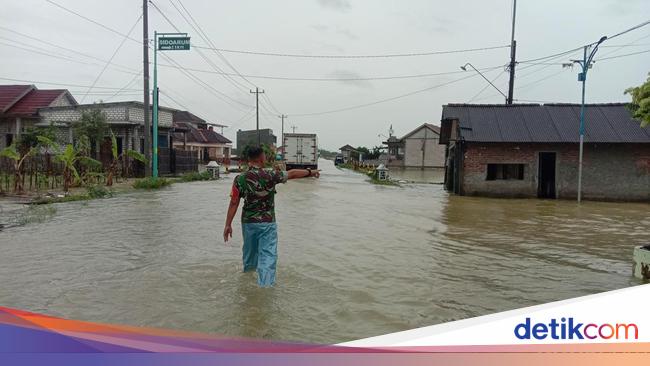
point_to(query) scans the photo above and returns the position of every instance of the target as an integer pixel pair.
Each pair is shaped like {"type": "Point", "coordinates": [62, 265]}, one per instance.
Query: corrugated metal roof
{"type": "Point", "coordinates": [10, 94]}
{"type": "Point", "coordinates": [199, 135]}
{"type": "Point", "coordinates": [35, 99]}
{"type": "Point", "coordinates": [604, 123]}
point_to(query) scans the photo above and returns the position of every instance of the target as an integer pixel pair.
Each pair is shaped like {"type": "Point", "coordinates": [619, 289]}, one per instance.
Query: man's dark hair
{"type": "Point", "coordinates": [253, 152]}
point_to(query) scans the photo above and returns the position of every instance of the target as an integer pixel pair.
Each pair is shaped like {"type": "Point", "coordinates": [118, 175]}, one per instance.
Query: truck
{"type": "Point", "coordinates": [300, 151]}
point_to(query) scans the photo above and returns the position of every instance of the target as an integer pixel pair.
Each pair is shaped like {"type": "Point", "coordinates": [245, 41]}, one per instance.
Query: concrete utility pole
{"type": "Point", "coordinates": [513, 56]}
{"type": "Point", "coordinates": [257, 93]}
{"type": "Point", "coordinates": [145, 61]}
{"type": "Point", "coordinates": [282, 137]}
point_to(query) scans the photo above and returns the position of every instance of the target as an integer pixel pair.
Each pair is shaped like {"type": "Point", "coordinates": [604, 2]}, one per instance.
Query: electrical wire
{"type": "Point", "coordinates": [385, 99]}
{"type": "Point", "coordinates": [209, 41]}
{"type": "Point", "coordinates": [111, 58]}
{"type": "Point", "coordinates": [64, 48]}
{"type": "Point", "coordinates": [62, 84]}
{"type": "Point", "coordinates": [390, 55]}
{"type": "Point", "coordinates": [372, 78]}
{"type": "Point", "coordinates": [619, 56]}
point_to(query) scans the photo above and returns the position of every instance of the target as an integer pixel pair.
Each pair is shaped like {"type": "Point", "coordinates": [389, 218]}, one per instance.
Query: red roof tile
{"type": "Point", "coordinates": [9, 94]}
{"type": "Point", "coordinates": [35, 99]}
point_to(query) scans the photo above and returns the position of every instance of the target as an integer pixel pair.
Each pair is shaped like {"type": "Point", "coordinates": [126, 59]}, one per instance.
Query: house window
{"type": "Point", "coordinates": [505, 172]}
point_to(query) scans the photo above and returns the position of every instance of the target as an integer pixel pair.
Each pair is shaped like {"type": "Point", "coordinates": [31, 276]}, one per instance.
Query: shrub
{"type": "Point", "coordinates": [151, 183]}
{"type": "Point", "coordinates": [195, 176]}
{"type": "Point", "coordinates": [95, 191]}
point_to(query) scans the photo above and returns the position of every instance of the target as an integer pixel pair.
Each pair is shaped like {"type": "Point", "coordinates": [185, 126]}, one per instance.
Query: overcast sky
{"type": "Point", "coordinates": [329, 27]}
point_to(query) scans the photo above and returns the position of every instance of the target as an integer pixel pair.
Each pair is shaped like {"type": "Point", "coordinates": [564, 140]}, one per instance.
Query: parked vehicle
{"type": "Point", "coordinates": [339, 160]}
{"type": "Point", "coordinates": [301, 150]}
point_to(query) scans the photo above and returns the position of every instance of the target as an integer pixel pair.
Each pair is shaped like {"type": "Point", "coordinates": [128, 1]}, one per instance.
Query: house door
{"type": "Point", "coordinates": [546, 181]}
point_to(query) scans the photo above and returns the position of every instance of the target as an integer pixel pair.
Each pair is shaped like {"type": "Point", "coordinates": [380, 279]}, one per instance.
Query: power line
{"type": "Point", "coordinates": [237, 85]}
{"type": "Point", "coordinates": [94, 21]}
{"type": "Point", "coordinates": [390, 55]}
{"type": "Point", "coordinates": [371, 78]}
{"type": "Point", "coordinates": [112, 57]}
{"type": "Point", "coordinates": [209, 41]}
{"type": "Point", "coordinates": [384, 100]}
{"type": "Point", "coordinates": [62, 84]}
{"type": "Point", "coordinates": [63, 48]}
{"type": "Point", "coordinates": [624, 55]}
{"type": "Point", "coordinates": [49, 54]}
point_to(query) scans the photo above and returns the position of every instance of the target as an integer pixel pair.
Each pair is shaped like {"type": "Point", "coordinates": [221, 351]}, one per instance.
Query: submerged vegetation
{"type": "Point", "coordinates": [195, 176]}
{"type": "Point", "coordinates": [151, 183]}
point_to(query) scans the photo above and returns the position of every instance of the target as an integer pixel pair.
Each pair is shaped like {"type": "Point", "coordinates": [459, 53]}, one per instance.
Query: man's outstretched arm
{"type": "Point", "coordinates": [303, 173]}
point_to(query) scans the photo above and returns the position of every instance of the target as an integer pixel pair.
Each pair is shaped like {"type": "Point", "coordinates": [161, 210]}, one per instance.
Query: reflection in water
{"type": "Point", "coordinates": [355, 259]}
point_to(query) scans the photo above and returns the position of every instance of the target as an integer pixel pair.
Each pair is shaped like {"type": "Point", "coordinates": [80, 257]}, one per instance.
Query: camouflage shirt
{"type": "Point", "coordinates": [257, 187]}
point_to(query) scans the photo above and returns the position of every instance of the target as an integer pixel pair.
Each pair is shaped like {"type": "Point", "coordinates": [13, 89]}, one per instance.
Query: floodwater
{"type": "Point", "coordinates": [356, 259]}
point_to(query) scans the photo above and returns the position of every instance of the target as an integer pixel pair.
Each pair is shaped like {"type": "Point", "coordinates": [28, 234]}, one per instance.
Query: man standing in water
{"type": "Point", "coordinates": [257, 187]}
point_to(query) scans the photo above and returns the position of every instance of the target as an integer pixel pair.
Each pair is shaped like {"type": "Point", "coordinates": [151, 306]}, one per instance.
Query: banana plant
{"type": "Point", "coordinates": [18, 158]}
{"type": "Point", "coordinates": [112, 169]}
{"type": "Point", "coordinates": [70, 157]}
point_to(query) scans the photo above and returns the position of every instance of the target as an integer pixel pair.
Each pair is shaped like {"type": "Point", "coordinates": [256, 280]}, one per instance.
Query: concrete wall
{"type": "Point", "coordinates": [610, 171]}
{"type": "Point", "coordinates": [434, 153]}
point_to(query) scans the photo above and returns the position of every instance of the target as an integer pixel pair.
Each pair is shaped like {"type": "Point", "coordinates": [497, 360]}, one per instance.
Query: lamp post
{"type": "Point", "coordinates": [464, 68]}
{"type": "Point", "coordinates": [585, 63]}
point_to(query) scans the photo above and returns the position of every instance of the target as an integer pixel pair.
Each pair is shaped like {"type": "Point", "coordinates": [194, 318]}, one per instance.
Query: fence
{"type": "Point", "coordinates": [43, 172]}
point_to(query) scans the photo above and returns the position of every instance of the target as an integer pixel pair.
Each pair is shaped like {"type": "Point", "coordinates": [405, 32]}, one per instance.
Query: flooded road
{"type": "Point", "coordinates": [355, 259]}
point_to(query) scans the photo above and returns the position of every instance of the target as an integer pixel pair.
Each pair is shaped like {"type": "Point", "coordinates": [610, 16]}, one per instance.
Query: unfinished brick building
{"type": "Point", "coordinates": [531, 150]}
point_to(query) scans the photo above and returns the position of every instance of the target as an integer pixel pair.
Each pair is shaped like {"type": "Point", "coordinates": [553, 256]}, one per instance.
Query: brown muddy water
{"type": "Point", "coordinates": [356, 259]}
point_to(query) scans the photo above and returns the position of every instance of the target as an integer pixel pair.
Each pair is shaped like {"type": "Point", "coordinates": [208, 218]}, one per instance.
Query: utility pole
{"type": "Point", "coordinates": [513, 55]}
{"type": "Point", "coordinates": [257, 93]}
{"type": "Point", "coordinates": [282, 143]}
{"type": "Point", "coordinates": [145, 61]}
{"type": "Point", "coordinates": [293, 129]}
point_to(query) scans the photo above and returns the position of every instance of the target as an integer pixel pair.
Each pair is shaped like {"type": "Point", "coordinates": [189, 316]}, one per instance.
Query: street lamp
{"type": "Point", "coordinates": [585, 63]}
{"type": "Point", "coordinates": [464, 68]}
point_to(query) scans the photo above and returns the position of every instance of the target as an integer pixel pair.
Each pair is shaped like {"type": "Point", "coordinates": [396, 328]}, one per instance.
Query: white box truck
{"type": "Point", "coordinates": [300, 150]}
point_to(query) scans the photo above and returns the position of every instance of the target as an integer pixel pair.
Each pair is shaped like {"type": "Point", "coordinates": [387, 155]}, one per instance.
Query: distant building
{"type": "Point", "coordinates": [531, 150]}
{"type": "Point", "coordinates": [347, 152]}
{"type": "Point", "coordinates": [19, 105]}
{"type": "Point", "coordinates": [192, 133]}
{"type": "Point", "coordinates": [249, 137]}
{"type": "Point", "coordinates": [419, 148]}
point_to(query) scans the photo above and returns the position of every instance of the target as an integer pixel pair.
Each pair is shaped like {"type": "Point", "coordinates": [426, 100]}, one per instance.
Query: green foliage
{"type": "Point", "coordinates": [37, 136]}
{"type": "Point", "coordinates": [69, 157]}
{"type": "Point", "coordinates": [151, 183]}
{"type": "Point", "coordinates": [36, 214]}
{"type": "Point", "coordinates": [92, 124]}
{"type": "Point", "coordinates": [367, 153]}
{"type": "Point", "coordinates": [195, 176]}
{"type": "Point", "coordinates": [97, 191]}
{"type": "Point", "coordinates": [10, 152]}
{"type": "Point", "coordinates": [136, 156]}
{"type": "Point", "coordinates": [640, 105]}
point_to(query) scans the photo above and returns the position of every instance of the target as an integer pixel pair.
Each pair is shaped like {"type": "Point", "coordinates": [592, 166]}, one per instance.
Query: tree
{"type": "Point", "coordinates": [640, 105]}
{"type": "Point", "coordinates": [18, 156]}
{"type": "Point", "coordinates": [27, 146]}
{"type": "Point", "coordinates": [112, 169]}
{"type": "Point", "coordinates": [70, 157]}
{"type": "Point", "coordinates": [91, 129]}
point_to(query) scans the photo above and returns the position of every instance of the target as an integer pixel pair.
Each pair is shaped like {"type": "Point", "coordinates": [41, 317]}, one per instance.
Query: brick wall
{"type": "Point", "coordinates": [610, 171]}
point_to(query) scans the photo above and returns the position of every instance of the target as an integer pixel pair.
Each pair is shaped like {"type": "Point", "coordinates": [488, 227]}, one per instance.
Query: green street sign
{"type": "Point", "coordinates": [173, 43]}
